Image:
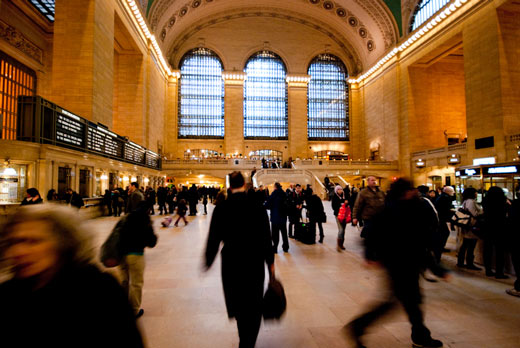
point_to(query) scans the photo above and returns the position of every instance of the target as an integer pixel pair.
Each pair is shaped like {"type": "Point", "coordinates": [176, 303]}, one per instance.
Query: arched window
{"type": "Point", "coordinates": [425, 10]}
{"type": "Point", "coordinates": [327, 99]}
{"type": "Point", "coordinates": [201, 97]}
{"type": "Point", "coordinates": [265, 97]}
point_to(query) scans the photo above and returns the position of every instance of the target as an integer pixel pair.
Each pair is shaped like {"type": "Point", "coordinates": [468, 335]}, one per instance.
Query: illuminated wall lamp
{"type": "Point", "coordinates": [104, 177]}
{"type": "Point", "coordinates": [420, 163]}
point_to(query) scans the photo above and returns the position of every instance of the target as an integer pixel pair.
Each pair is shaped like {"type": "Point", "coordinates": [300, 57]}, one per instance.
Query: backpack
{"type": "Point", "coordinates": [344, 214]}
{"type": "Point", "coordinates": [462, 218]}
{"type": "Point", "coordinates": [111, 253]}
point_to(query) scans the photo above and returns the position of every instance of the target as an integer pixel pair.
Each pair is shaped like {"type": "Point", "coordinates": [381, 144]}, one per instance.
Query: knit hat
{"type": "Point", "coordinates": [337, 188]}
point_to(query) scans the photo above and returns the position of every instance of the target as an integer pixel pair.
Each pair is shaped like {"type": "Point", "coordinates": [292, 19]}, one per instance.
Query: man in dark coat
{"type": "Point", "coordinates": [74, 199]}
{"type": "Point", "coordinates": [193, 199]}
{"type": "Point", "coordinates": [134, 198]}
{"type": "Point", "coordinates": [316, 214]}
{"type": "Point", "coordinates": [399, 241]}
{"type": "Point", "coordinates": [295, 199]}
{"type": "Point", "coordinates": [444, 207]}
{"type": "Point", "coordinates": [277, 204]}
{"type": "Point", "coordinates": [514, 241]}
{"type": "Point", "coordinates": [242, 225]}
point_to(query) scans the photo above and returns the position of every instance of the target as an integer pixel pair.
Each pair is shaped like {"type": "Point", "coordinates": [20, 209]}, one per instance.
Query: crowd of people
{"type": "Point", "coordinates": [404, 230]}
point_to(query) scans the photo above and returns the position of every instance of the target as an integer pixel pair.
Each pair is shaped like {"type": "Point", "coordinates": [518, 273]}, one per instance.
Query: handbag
{"type": "Point", "coordinates": [462, 218]}
{"type": "Point", "coordinates": [274, 303]}
{"type": "Point", "coordinates": [111, 254]}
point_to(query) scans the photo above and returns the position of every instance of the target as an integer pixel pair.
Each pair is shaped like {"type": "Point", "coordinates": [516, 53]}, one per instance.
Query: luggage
{"type": "Point", "coordinates": [110, 253]}
{"type": "Point", "coordinates": [275, 302]}
{"type": "Point", "coordinates": [304, 233]}
{"type": "Point", "coordinates": [166, 221]}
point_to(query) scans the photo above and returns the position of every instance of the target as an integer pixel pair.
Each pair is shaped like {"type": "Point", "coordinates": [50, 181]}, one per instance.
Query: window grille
{"type": "Point", "coordinates": [200, 154]}
{"type": "Point", "coordinates": [327, 99]}
{"type": "Point", "coordinates": [46, 7]}
{"type": "Point", "coordinates": [425, 10]}
{"type": "Point", "coordinates": [265, 97]}
{"type": "Point", "coordinates": [201, 97]}
{"type": "Point", "coordinates": [15, 79]}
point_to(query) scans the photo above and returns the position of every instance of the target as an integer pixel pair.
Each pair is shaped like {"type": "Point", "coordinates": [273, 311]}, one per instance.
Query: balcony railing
{"type": "Point", "coordinates": [43, 122]}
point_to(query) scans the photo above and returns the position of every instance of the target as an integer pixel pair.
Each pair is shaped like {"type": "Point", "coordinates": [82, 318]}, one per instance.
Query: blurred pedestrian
{"type": "Point", "coordinates": [135, 196]}
{"type": "Point", "coordinates": [57, 297]}
{"type": "Point", "coordinates": [469, 242]}
{"type": "Point", "coordinates": [277, 204]}
{"type": "Point", "coordinates": [399, 241]}
{"type": "Point", "coordinates": [316, 214]}
{"type": "Point", "coordinates": [242, 225]}
{"type": "Point", "coordinates": [337, 201]}
{"type": "Point", "coordinates": [495, 231]}
{"type": "Point", "coordinates": [181, 212]}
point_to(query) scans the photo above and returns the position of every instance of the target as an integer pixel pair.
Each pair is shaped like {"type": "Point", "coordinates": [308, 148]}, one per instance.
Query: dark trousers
{"type": "Point", "coordinates": [117, 208]}
{"type": "Point", "coordinates": [162, 208]}
{"type": "Point", "coordinates": [312, 224]}
{"type": "Point", "coordinates": [276, 229]}
{"type": "Point", "coordinates": [183, 218]}
{"type": "Point", "coordinates": [205, 208]}
{"type": "Point", "coordinates": [496, 245]}
{"type": "Point", "coordinates": [109, 206]}
{"type": "Point", "coordinates": [248, 327]}
{"type": "Point", "coordinates": [151, 209]}
{"type": "Point", "coordinates": [193, 208]}
{"type": "Point", "coordinates": [171, 207]}
{"type": "Point", "coordinates": [405, 289]}
{"type": "Point", "coordinates": [515, 258]}
{"type": "Point", "coordinates": [444, 234]}
{"type": "Point", "coordinates": [467, 250]}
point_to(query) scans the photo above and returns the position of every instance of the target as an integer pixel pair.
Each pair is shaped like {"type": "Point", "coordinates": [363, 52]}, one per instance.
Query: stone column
{"type": "Point", "coordinates": [297, 112]}
{"type": "Point", "coordinates": [234, 112]}
{"type": "Point", "coordinates": [83, 58]}
{"type": "Point", "coordinates": [171, 118]}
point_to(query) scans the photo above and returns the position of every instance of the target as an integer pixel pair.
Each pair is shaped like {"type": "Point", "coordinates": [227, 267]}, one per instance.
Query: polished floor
{"type": "Point", "coordinates": [184, 306]}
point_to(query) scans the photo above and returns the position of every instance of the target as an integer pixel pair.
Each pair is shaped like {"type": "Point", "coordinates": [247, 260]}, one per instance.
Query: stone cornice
{"type": "Point", "coordinates": [16, 39]}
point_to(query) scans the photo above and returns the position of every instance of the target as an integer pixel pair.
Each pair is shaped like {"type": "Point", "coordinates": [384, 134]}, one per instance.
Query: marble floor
{"type": "Point", "coordinates": [184, 306]}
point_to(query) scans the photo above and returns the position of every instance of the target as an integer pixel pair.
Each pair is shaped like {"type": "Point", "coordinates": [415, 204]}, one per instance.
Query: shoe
{"type": "Point", "coordinates": [490, 274]}
{"type": "Point", "coordinates": [286, 250]}
{"type": "Point", "coordinates": [353, 335]}
{"type": "Point", "coordinates": [176, 225]}
{"type": "Point", "coordinates": [139, 314]}
{"type": "Point", "coordinates": [430, 343]}
{"type": "Point", "coordinates": [501, 276]}
{"type": "Point", "coordinates": [461, 266]}
{"type": "Point", "coordinates": [340, 246]}
{"type": "Point", "coordinates": [513, 292]}
{"type": "Point", "coordinates": [321, 240]}
{"type": "Point", "coordinates": [473, 268]}
{"type": "Point", "coordinates": [291, 236]}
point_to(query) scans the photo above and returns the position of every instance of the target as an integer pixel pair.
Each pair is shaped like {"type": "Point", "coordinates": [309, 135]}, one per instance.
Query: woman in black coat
{"type": "Point", "coordinates": [56, 296]}
{"type": "Point", "coordinates": [337, 201]}
{"type": "Point", "coordinates": [241, 224]}
{"type": "Point", "coordinates": [495, 231]}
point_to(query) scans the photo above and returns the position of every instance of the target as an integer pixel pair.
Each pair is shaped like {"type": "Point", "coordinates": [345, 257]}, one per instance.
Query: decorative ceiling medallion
{"type": "Point", "coordinates": [183, 11]}
{"type": "Point", "coordinates": [171, 22]}
{"type": "Point", "coordinates": [314, 1]}
{"type": "Point", "coordinates": [196, 3]}
{"type": "Point", "coordinates": [353, 21]}
{"type": "Point", "coordinates": [363, 32]}
{"type": "Point", "coordinates": [341, 12]}
{"type": "Point", "coordinates": [328, 5]}
{"type": "Point", "coordinates": [370, 45]}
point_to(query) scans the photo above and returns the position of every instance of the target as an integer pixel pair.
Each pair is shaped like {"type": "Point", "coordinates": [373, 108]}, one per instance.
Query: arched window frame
{"type": "Point", "coordinates": [209, 88]}
{"type": "Point", "coordinates": [335, 125]}
{"type": "Point", "coordinates": [274, 123]}
{"type": "Point", "coordinates": [425, 10]}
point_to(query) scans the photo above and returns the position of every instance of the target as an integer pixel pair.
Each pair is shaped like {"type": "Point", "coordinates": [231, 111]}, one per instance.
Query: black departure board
{"type": "Point", "coordinates": [69, 130]}
{"type": "Point", "coordinates": [105, 142]}
{"type": "Point", "coordinates": [134, 153]}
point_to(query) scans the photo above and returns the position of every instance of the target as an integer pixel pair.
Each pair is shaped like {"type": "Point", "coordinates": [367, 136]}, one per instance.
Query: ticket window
{"type": "Point", "coordinates": [64, 179]}
{"type": "Point", "coordinates": [84, 183]}
{"type": "Point", "coordinates": [505, 183]}
{"type": "Point", "coordinates": [466, 182]}
{"type": "Point", "coordinates": [13, 184]}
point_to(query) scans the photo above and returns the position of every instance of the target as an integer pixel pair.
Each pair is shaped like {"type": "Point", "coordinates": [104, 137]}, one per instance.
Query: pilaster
{"type": "Point", "coordinates": [297, 112]}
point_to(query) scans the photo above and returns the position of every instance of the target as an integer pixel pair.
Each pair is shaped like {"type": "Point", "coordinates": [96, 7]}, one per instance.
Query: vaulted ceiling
{"type": "Point", "coordinates": [360, 31]}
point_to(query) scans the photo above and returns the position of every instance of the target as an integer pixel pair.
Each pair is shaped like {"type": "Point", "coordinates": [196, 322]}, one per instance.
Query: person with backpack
{"type": "Point", "coordinates": [338, 201]}
{"type": "Point", "coordinates": [181, 212]}
{"type": "Point", "coordinates": [467, 248]}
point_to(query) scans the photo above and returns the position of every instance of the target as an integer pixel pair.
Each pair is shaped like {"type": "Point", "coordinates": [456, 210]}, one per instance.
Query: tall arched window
{"type": "Point", "coordinates": [265, 97]}
{"type": "Point", "coordinates": [201, 97]}
{"type": "Point", "coordinates": [327, 99]}
{"type": "Point", "coordinates": [425, 10]}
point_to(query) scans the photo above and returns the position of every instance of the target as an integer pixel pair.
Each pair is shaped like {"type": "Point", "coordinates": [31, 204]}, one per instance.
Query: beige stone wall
{"type": "Point", "coordinates": [156, 93]}
{"type": "Point", "coordinates": [234, 118]}
{"type": "Point", "coordinates": [439, 103]}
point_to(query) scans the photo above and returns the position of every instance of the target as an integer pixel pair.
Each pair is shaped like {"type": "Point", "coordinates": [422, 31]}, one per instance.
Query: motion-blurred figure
{"type": "Point", "coordinates": [241, 224]}
{"type": "Point", "coordinates": [56, 297]}
{"type": "Point", "coordinates": [33, 197]}
{"type": "Point", "coordinates": [399, 241]}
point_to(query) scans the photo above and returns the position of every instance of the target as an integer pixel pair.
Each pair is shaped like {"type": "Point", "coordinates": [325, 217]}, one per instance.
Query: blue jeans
{"type": "Point", "coordinates": [341, 229]}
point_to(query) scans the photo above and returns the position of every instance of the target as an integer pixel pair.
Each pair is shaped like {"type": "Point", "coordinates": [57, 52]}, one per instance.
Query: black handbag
{"type": "Point", "coordinates": [274, 303]}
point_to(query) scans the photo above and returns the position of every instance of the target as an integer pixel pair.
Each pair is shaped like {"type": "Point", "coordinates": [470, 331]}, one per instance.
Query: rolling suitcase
{"type": "Point", "coordinates": [166, 221]}
{"type": "Point", "coordinates": [303, 231]}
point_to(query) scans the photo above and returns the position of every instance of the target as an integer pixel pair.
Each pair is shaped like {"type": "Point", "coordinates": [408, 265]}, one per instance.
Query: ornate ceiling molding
{"type": "Point", "coordinates": [355, 65]}
{"type": "Point", "coordinates": [385, 21]}
{"type": "Point", "coordinates": [377, 12]}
